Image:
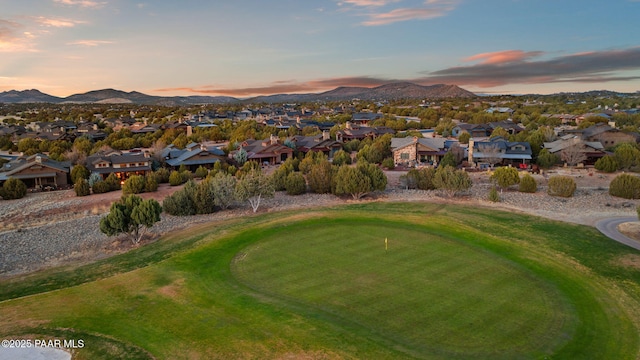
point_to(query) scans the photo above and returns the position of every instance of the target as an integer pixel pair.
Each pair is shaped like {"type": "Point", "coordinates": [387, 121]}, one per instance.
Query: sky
{"type": "Point", "coordinates": [244, 48]}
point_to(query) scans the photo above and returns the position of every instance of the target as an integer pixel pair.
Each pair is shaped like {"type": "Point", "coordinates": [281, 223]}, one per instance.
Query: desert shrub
{"type": "Point", "coordinates": [493, 195]}
{"type": "Point", "coordinates": [449, 159]}
{"type": "Point", "coordinates": [388, 163]}
{"type": "Point", "coordinates": [162, 175]}
{"type": "Point", "coordinates": [528, 184]}
{"type": "Point", "coordinates": [320, 178]}
{"type": "Point", "coordinates": [341, 157]}
{"type": "Point", "coordinates": [419, 179]}
{"type": "Point", "coordinates": [186, 175]}
{"type": "Point", "coordinates": [295, 184]}
{"type": "Point", "coordinates": [505, 176]}
{"type": "Point", "coordinates": [150, 183]}
{"type": "Point", "coordinates": [563, 186]}
{"type": "Point", "coordinates": [451, 181]}
{"type": "Point", "coordinates": [546, 159]}
{"type": "Point", "coordinates": [625, 186]}
{"type": "Point", "coordinates": [133, 185]}
{"type": "Point", "coordinates": [79, 172]}
{"type": "Point", "coordinates": [113, 181]}
{"type": "Point", "coordinates": [179, 204]}
{"type": "Point", "coordinates": [175, 179]}
{"type": "Point", "coordinates": [101, 187]}
{"type": "Point", "coordinates": [94, 178]}
{"type": "Point", "coordinates": [627, 155]}
{"type": "Point", "coordinates": [81, 187]}
{"type": "Point", "coordinates": [606, 164]}
{"type": "Point", "coordinates": [13, 189]}
{"type": "Point", "coordinates": [201, 172]}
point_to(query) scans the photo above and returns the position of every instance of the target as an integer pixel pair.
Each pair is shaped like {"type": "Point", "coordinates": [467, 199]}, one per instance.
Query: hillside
{"type": "Point", "coordinates": [401, 90]}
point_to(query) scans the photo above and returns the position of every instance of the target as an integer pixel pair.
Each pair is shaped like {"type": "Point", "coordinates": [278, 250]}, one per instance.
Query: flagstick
{"type": "Point", "coordinates": [386, 244]}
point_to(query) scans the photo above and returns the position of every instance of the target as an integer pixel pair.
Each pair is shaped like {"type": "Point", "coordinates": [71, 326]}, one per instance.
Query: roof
{"type": "Point", "coordinates": [22, 162]}
{"type": "Point", "coordinates": [563, 143]}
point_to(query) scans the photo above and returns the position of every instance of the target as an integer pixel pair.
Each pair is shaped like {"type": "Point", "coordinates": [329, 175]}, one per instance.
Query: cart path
{"type": "Point", "coordinates": [609, 227]}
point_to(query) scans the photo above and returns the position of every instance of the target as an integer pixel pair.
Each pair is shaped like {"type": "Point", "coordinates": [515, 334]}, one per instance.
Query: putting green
{"type": "Point", "coordinates": [425, 292]}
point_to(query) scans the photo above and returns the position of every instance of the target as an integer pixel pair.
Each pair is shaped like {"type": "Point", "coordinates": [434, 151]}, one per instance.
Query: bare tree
{"type": "Point", "coordinates": [573, 155]}
{"type": "Point", "coordinates": [491, 153]}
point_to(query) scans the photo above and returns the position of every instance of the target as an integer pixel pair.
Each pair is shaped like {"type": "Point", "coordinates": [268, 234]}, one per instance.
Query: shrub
{"type": "Point", "coordinates": [179, 204]}
{"type": "Point", "coordinates": [113, 181]}
{"type": "Point", "coordinates": [162, 175]}
{"type": "Point", "coordinates": [448, 160]}
{"type": "Point", "coordinates": [563, 186]}
{"type": "Point", "coordinates": [505, 177]}
{"type": "Point", "coordinates": [625, 186]}
{"type": "Point", "coordinates": [133, 185]}
{"type": "Point", "coordinates": [13, 189]}
{"type": "Point", "coordinates": [627, 155]}
{"type": "Point", "coordinates": [451, 181]}
{"type": "Point", "coordinates": [606, 164]}
{"type": "Point", "coordinates": [201, 172]}
{"type": "Point", "coordinates": [101, 187]}
{"type": "Point", "coordinates": [295, 184]}
{"type": "Point", "coordinates": [94, 178]}
{"type": "Point", "coordinates": [493, 195]}
{"type": "Point", "coordinates": [528, 184]}
{"type": "Point", "coordinates": [175, 178]}
{"type": "Point", "coordinates": [81, 187]}
{"type": "Point", "coordinates": [186, 175]}
{"type": "Point", "coordinates": [388, 163]}
{"type": "Point", "coordinates": [341, 157]}
{"type": "Point", "coordinates": [546, 159]}
{"type": "Point", "coordinates": [320, 178]}
{"type": "Point", "coordinates": [79, 172]}
{"type": "Point", "coordinates": [150, 183]}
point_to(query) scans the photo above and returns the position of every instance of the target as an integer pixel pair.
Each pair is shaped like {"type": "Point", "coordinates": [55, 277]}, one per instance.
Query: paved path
{"type": "Point", "coordinates": [609, 227]}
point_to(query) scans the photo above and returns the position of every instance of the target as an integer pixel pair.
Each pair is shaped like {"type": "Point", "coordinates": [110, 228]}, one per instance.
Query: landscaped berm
{"type": "Point", "coordinates": [362, 281]}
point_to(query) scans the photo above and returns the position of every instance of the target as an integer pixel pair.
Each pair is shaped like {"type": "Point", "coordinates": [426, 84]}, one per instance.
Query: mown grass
{"type": "Point", "coordinates": [456, 282]}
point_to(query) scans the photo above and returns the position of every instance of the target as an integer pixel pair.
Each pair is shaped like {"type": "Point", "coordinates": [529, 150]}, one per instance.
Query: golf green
{"type": "Point", "coordinates": [425, 292]}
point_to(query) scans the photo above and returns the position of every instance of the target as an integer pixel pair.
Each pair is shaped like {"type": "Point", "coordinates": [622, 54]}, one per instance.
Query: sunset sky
{"type": "Point", "coordinates": [248, 47]}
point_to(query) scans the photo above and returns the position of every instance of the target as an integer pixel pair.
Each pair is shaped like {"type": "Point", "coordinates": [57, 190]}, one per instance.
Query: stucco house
{"type": "Point", "coordinates": [411, 151]}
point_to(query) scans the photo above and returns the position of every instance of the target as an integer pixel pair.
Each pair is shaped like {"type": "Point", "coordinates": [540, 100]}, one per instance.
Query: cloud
{"type": "Point", "coordinates": [365, 3]}
{"type": "Point", "coordinates": [90, 42]}
{"type": "Point", "coordinates": [13, 38]}
{"type": "Point", "coordinates": [381, 12]}
{"type": "Point", "coordinates": [286, 87]}
{"type": "Point", "coordinates": [81, 3]}
{"type": "Point", "coordinates": [515, 66]}
{"type": "Point", "coordinates": [504, 56]}
{"type": "Point", "coordinates": [58, 22]}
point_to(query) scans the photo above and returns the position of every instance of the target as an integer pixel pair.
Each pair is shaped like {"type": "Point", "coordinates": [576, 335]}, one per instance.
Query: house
{"type": "Point", "coordinates": [499, 151]}
{"type": "Point", "coordinates": [365, 118]}
{"type": "Point", "coordinates": [193, 156]}
{"type": "Point", "coordinates": [355, 132]}
{"type": "Point", "coordinates": [123, 165]}
{"type": "Point", "coordinates": [475, 130]}
{"type": "Point", "coordinates": [319, 143]}
{"type": "Point", "coordinates": [36, 171]}
{"type": "Point", "coordinates": [411, 151]}
{"type": "Point", "coordinates": [571, 148]}
{"type": "Point", "coordinates": [266, 151]}
{"type": "Point", "coordinates": [608, 136]}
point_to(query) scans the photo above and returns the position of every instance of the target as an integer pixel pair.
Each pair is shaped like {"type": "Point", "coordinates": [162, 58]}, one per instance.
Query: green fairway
{"type": "Point", "coordinates": [451, 282]}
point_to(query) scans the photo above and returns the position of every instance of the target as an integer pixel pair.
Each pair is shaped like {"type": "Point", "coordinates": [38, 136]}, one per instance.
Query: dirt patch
{"type": "Point", "coordinates": [173, 290]}
{"type": "Point", "coordinates": [631, 230]}
{"type": "Point", "coordinates": [629, 261]}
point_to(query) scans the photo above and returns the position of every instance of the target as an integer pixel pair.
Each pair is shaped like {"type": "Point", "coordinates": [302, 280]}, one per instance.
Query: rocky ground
{"type": "Point", "coordinates": [53, 228]}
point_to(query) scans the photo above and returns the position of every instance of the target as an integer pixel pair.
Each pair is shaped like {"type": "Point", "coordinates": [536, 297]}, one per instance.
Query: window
{"type": "Point", "coordinates": [404, 156]}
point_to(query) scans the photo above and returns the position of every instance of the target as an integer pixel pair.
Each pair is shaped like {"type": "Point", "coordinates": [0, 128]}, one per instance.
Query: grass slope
{"type": "Point", "coordinates": [456, 282]}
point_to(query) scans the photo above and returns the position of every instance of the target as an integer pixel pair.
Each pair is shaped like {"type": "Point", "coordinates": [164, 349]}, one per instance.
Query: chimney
{"type": "Point", "coordinates": [273, 139]}
{"type": "Point", "coordinates": [348, 125]}
{"type": "Point", "coordinates": [189, 130]}
{"type": "Point", "coordinates": [470, 150]}
{"type": "Point", "coordinates": [326, 135]}
{"type": "Point", "coordinates": [203, 147]}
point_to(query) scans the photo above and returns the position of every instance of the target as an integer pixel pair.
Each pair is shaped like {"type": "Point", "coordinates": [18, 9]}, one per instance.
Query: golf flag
{"type": "Point", "coordinates": [386, 244]}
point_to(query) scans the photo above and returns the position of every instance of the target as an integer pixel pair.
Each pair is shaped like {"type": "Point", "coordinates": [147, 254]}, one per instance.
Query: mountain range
{"type": "Point", "coordinates": [401, 90]}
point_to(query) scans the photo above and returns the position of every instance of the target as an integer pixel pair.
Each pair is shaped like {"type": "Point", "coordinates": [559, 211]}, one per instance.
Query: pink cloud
{"type": "Point", "coordinates": [58, 22]}
{"type": "Point", "coordinates": [368, 3]}
{"type": "Point", "coordinates": [81, 3]}
{"type": "Point", "coordinates": [90, 42]}
{"type": "Point", "coordinates": [506, 56]}
{"type": "Point", "coordinates": [430, 9]}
